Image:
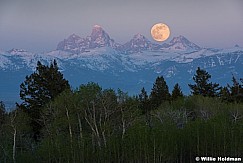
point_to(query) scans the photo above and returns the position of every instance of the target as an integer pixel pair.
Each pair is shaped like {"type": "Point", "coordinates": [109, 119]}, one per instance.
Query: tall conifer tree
{"type": "Point", "coordinates": [144, 101]}
{"type": "Point", "coordinates": [159, 93]}
{"type": "Point", "coordinates": [236, 91]}
{"type": "Point", "coordinates": [176, 92]}
{"type": "Point", "coordinates": [145, 105]}
{"type": "Point", "coordinates": [202, 85]}
{"type": "Point", "coordinates": [2, 112]}
{"type": "Point", "coordinates": [38, 89]}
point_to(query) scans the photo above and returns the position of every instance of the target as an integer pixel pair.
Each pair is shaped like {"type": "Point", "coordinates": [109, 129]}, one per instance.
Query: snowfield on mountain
{"type": "Point", "coordinates": [130, 66]}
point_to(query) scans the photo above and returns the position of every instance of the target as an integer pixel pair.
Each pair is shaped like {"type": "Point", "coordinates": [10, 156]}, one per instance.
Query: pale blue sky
{"type": "Point", "coordinates": [38, 25]}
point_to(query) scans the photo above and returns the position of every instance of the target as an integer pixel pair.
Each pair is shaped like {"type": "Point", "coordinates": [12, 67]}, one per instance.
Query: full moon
{"type": "Point", "coordinates": [160, 32]}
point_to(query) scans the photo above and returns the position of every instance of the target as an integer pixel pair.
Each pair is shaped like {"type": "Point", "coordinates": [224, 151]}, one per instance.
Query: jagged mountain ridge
{"type": "Point", "coordinates": [130, 66]}
{"type": "Point", "coordinates": [181, 43]}
{"type": "Point", "coordinates": [100, 38]}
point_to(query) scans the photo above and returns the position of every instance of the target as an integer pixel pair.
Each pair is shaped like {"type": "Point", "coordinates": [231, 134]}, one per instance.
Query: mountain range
{"type": "Point", "coordinates": [128, 66]}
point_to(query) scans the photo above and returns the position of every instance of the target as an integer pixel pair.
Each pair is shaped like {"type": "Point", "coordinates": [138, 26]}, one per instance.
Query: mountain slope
{"type": "Point", "coordinates": [130, 67]}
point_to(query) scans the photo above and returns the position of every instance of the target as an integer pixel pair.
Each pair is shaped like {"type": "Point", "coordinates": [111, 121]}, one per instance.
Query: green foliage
{"type": "Point", "coordinates": [144, 101]}
{"type": "Point", "coordinates": [236, 91]}
{"type": "Point", "coordinates": [14, 137]}
{"type": "Point", "coordinates": [96, 125]}
{"type": "Point", "coordinates": [38, 89]}
{"type": "Point", "coordinates": [42, 85]}
{"type": "Point", "coordinates": [91, 124]}
{"type": "Point", "coordinates": [232, 93]}
{"type": "Point", "coordinates": [202, 85]}
{"type": "Point", "coordinates": [176, 92]}
{"type": "Point", "coordinates": [224, 94]}
{"type": "Point", "coordinates": [88, 120]}
{"type": "Point", "coordinates": [2, 113]}
{"type": "Point", "coordinates": [159, 93]}
{"type": "Point", "coordinates": [145, 105]}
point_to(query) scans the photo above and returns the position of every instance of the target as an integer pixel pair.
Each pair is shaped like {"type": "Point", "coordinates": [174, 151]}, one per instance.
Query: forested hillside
{"type": "Point", "coordinates": [58, 123]}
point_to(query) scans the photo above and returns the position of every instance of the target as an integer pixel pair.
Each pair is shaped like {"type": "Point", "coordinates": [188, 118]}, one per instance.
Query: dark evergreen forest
{"type": "Point", "coordinates": [57, 123]}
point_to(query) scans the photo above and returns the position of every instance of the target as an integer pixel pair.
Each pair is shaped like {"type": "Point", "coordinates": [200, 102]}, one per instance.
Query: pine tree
{"type": "Point", "coordinates": [38, 89]}
{"type": "Point", "coordinates": [176, 92]}
{"type": "Point", "coordinates": [2, 113]}
{"type": "Point", "coordinates": [224, 94]}
{"type": "Point", "coordinates": [42, 86]}
{"type": "Point", "coordinates": [236, 91]}
{"type": "Point", "coordinates": [145, 106]}
{"type": "Point", "coordinates": [202, 85]}
{"type": "Point", "coordinates": [159, 93]}
{"type": "Point", "coordinates": [144, 101]}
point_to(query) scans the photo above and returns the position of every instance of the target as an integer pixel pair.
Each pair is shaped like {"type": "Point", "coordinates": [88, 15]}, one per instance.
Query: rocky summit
{"type": "Point", "coordinates": [76, 44]}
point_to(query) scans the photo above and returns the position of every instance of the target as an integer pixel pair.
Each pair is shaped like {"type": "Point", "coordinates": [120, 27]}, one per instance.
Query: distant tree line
{"type": "Point", "coordinates": [56, 123]}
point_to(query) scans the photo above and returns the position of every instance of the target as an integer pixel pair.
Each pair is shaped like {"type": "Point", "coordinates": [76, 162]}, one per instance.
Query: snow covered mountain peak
{"type": "Point", "coordinates": [97, 26]}
{"type": "Point", "coordinates": [236, 46]}
{"type": "Point", "coordinates": [139, 40]}
{"type": "Point", "coordinates": [136, 63]}
{"type": "Point", "coordinates": [99, 38]}
{"type": "Point", "coordinates": [15, 51]}
{"type": "Point", "coordinates": [74, 37]}
{"type": "Point", "coordinates": [76, 44]}
{"type": "Point", "coordinates": [139, 36]}
{"type": "Point", "coordinates": [97, 31]}
{"type": "Point", "coordinates": [181, 43]}
{"type": "Point", "coordinates": [138, 43]}
{"type": "Point", "coordinates": [73, 43]}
